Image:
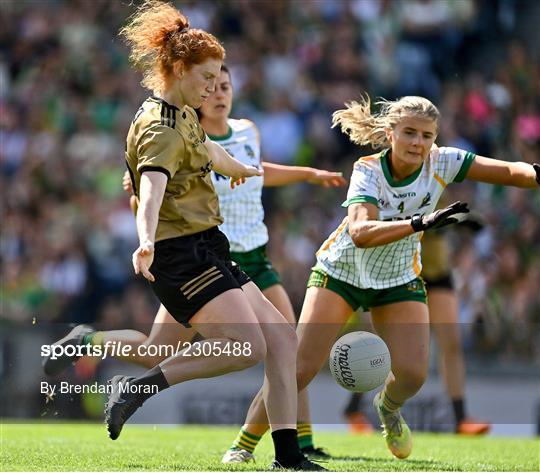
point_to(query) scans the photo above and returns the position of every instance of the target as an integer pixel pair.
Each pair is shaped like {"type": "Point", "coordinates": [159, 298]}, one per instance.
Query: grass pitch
{"type": "Point", "coordinates": [86, 447]}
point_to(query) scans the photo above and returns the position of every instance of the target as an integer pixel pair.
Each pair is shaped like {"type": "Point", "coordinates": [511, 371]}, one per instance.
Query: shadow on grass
{"type": "Point", "coordinates": [424, 464]}
{"type": "Point", "coordinates": [338, 461]}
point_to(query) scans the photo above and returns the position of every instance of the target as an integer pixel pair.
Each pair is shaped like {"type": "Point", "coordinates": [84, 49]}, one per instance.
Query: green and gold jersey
{"type": "Point", "coordinates": [399, 262]}
{"type": "Point", "coordinates": [170, 140]}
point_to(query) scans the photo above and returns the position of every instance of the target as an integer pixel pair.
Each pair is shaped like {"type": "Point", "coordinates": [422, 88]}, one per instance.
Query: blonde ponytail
{"type": "Point", "coordinates": [366, 128]}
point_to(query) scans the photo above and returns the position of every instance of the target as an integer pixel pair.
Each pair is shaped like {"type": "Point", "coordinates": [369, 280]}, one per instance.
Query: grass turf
{"type": "Point", "coordinates": [85, 447]}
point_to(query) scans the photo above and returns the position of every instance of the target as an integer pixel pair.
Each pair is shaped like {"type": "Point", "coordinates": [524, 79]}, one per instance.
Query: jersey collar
{"type": "Point", "coordinates": [160, 100]}
{"type": "Point", "coordinates": [385, 157]}
{"type": "Point", "coordinates": [224, 137]}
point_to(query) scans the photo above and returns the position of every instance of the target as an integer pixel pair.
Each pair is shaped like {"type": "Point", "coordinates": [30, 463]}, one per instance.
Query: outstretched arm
{"type": "Point", "coordinates": [494, 171]}
{"type": "Point", "coordinates": [281, 175]}
{"type": "Point", "coordinates": [225, 164]}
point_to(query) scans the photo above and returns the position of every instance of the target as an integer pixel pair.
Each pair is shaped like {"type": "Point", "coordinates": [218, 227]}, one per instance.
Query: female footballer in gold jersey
{"type": "Point", "coordinates": [182, 252]}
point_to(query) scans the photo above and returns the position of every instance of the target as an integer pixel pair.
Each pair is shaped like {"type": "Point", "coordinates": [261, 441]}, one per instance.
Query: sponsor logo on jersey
{"type": "Point", "coordinates": [195, 139]}
{"type": "Point", "coordinates": [404, 195]}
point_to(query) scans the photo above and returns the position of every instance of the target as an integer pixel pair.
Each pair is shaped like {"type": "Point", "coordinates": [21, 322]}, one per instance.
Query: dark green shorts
{"type": "Point", "coordinates": [368, 298]}
{"type": "Point", "coordinates": [256, 264]}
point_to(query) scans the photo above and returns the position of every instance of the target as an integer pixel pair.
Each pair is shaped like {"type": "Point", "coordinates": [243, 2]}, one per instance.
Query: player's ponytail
{"type": "Point", "coordinates": [366, 128]}
{"type": "Point", "coordinates": [360, 124]}
{"type": "Point", "coordinates": [159, 36]}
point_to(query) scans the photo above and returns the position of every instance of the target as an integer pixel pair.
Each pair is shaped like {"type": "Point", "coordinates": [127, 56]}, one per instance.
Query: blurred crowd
{"type": "Point", "coordinates": [68, 95]}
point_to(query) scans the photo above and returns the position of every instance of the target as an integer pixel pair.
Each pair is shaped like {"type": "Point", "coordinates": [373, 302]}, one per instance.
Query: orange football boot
{"type": "Point", "coordinates": [359, 424]}
{"type": "Point", "coordinates": [469, 426]}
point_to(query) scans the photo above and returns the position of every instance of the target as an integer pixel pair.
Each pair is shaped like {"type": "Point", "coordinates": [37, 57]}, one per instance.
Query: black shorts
{"type": "Point", "coordinates": [445, 281]}
{"type": "Point", "coordinates": [192, 270]}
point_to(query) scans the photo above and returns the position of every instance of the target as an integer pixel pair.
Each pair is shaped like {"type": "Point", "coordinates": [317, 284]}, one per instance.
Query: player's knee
{"type": "Point", "coordinates": [411, 378]}
{"type": "Point", "coordinates": [282, 341]}
{"type": "Point", "coordinates": [287, 341]}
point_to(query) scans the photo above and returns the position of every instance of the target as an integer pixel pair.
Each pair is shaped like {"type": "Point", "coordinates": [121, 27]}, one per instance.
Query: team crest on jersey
{"type": "Point", "coordinates": [414, 286]}
{"type": "Point", "coordinates": [249, 151]}
{"type": "Point", "coordinates": [426, 201]}
{"type": "Point", "coordinates": [192, 135]}
{"type": "Point", "coordinates": [205, 170]}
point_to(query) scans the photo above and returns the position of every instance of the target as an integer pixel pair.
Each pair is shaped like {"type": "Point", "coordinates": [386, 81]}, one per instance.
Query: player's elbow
{"type": "Point", "coordinates": [360, 236]}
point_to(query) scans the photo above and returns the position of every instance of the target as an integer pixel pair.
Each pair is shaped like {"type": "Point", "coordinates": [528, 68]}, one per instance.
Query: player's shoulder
{"type": "Point", "coordinates": [244, 128]}
{"type": "Point", "coordinates": [156, 115]}
{"type": "Point", "coordinates": [188, 112]}
{"type": "Point", "coordinates": [447, 152]}
{"type": "Point", "coordinates": [371, 162]}
{"type": "Point", "coordinates": [445, 159]}
{"type": "Point", "coordinates": [242, 125]}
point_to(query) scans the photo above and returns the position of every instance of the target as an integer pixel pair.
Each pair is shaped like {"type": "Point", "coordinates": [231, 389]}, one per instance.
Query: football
{"type": "Point", "coordinates": [360, 361]}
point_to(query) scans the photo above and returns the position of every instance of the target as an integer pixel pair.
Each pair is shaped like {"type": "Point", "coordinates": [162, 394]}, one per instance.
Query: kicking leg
{"type": "Point", "coordinates": [219, 328]}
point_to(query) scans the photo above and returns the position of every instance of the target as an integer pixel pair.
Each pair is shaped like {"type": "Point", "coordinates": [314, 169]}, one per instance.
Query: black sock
{"type": "Point", "coordinates": [459, 409]}
{"type": "Point", "coordinates": [154, 380]}
{"type": "Point", "coordinates": [354, 404]}
{"type": "Point", "coordinates": [286, 447]}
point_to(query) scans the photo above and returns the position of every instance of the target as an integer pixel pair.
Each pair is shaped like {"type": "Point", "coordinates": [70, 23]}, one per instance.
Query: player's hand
{"type": "Point", "coordinates": [439, 218]}
{"type": "Point", "coordinates": [237, 181]}
{"type": "Point", "coordinates": [473, 222]}
{"type": "Point", "coordinates": [248, 171]}
{"type": "Point", "coordinates": [536, 167]}
{"type": "Point", "coordinates": [126, 183]}
{"type": "Point", "coordinates": [134, 204]}
{"type": "Point", "coordinates": [327, 178]}
{"type": "Point", "coordinates": [142, 260]}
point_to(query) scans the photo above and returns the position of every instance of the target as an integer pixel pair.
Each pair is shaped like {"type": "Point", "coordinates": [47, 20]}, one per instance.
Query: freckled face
{"type": "Point", "coordinates": [412, 139]}
{"type": "Point", "coordinates": [199, 82]}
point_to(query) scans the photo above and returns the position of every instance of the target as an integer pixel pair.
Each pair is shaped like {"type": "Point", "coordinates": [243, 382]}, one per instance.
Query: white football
{"type": "Point", "coordinates": [360, 361]}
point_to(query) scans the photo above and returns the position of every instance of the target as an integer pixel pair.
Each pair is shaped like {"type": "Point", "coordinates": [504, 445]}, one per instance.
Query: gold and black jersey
{"type": "Point", "coordinates": [435, 256]}
{"type": "Point", "coordinates": [170, 140]}
{"type": "Point", "coordinates": [436, 250]}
